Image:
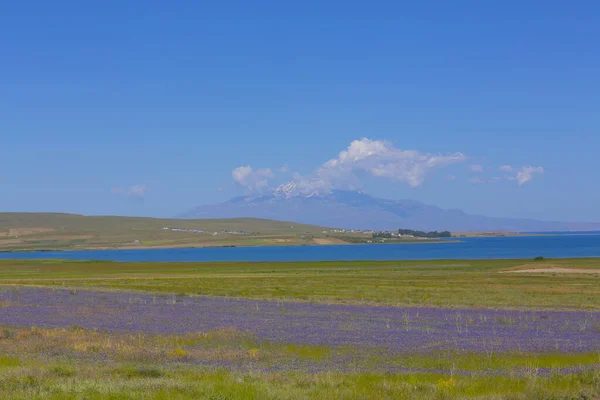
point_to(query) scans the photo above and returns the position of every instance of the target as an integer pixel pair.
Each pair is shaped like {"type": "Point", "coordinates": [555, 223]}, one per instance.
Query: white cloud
{"type": "Point", "coordinates": [253, 180]}
{"type": "Point", "coordinates": [284, 168]}
{"type": "Point", "coordinates": [376, 158]}
{"type": "Point", "coordinates": [366, 158]}
{"type": "Point", "coordinates": [525, 174]}
{"type": "Point", "coordinates": [136, 191]}
{"type": "Point", "coordinates": [521, 175]}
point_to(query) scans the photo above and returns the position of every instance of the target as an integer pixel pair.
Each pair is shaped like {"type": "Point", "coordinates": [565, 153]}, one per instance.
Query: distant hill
{"type": "Point", "coordinates": [358, 210]}
{"type": "Point", "coordinates": [50, 231]}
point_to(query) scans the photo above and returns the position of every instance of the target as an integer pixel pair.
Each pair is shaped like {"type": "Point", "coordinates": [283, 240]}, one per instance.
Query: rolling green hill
{"type": "Point", "coordinates": [51, 231]}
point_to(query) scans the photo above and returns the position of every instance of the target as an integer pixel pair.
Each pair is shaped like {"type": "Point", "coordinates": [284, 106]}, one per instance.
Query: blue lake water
{"type": "Point", "coordinates": [557, 246]}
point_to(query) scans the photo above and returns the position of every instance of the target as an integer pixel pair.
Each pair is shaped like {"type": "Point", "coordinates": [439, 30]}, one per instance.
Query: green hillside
{"type": "Point", "coordinates": [51, 231]}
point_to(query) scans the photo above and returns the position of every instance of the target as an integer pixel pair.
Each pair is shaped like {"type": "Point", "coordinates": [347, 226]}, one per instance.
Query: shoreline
{"type": "Point", "coordinates": [182, 247]}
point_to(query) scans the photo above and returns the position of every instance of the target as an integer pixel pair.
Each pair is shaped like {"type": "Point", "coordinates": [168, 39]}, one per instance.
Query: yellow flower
{"type": "Point", "coordinates": [83, 346]}
{"type": "Point", "coordinates": [446, 383]}
{"type": "Point", "coordinates": [179, 352]}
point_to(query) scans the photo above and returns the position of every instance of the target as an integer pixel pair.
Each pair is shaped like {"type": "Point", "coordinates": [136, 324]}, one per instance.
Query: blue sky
{"type": "Point", "coordinates": [146, 108]}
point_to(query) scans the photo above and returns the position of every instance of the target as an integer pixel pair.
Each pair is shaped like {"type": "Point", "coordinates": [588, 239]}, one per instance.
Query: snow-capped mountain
{"type": "Point", "coordinates": [285, 191]}
{"type": "Point", "coordinates": [355, 209]}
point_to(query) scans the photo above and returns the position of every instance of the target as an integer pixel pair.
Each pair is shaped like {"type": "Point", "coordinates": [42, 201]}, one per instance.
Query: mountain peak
{"type": "Point", "coordinates": [357, 210]}
{"type": "Point", "coordinates": [290, 190]}
{"type": "Point", "coordinates": [286, 190]}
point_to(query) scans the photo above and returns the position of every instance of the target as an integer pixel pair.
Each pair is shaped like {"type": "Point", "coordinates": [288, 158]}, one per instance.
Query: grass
{"type": "Point", "coordinates": [473, 283]}
{"type": "Point", "coordinates": [50, 231]}
{"type": "Point", "coordinates": [102, 382]}
{"type": "Point", "coordinates": [75, 364]}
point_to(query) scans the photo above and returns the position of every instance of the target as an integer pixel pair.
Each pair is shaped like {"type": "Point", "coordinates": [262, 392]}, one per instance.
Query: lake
{"type": "Point", "coordinates": [556, 246]}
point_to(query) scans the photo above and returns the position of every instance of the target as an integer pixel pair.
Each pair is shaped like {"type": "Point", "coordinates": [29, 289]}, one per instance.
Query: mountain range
{"type": "Point", "coordinates": [355, 209]}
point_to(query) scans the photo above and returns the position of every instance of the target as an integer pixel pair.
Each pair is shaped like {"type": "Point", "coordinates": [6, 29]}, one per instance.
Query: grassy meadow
{"type": "Point", "coordinates": [48, 231]}
{"type": "Point", "coordinates": [69, 361]}
{"type": "Point", "coordinates": [445, 283]}
{"type": "Point", "coordinates": [51, 231]}
{"type": "Point", "coordinates": [77, 364]}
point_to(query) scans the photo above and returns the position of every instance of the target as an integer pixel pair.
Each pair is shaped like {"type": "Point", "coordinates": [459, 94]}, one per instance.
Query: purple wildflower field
{"type": "Point", "coordinates": [397, 330]}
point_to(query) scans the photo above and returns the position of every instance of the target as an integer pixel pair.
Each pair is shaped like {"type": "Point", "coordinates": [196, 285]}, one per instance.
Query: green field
{"type": "Point", "coordinates": [63, 364]}
{"type": "Point", "coordinates": [451, 283]}
{"type": "Point", "coordinates": [47, 231]}
{"type": "Point", "coordinates": [76, 363]}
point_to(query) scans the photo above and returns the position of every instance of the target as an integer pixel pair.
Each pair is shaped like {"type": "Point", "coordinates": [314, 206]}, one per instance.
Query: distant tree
{"type": "Point", "coordinates": [432, 234]}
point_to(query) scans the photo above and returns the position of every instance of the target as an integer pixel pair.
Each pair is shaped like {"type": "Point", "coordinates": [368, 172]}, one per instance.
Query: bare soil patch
{"type": "Point", "coordinates": [554, 270]}
{"type": "Point", "coordinates": [325, 241]}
